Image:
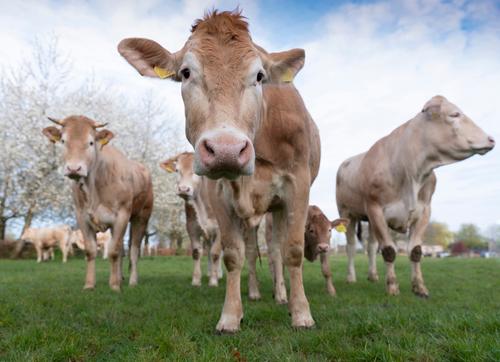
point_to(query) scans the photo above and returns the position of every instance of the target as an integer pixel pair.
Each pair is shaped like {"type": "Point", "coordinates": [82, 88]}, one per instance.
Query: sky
{"type": "Point", "coordinates": [370, 66]}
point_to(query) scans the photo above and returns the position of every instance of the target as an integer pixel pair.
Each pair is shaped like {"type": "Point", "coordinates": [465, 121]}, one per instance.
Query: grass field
{"type": "Point", "coordinates": [44, 315]}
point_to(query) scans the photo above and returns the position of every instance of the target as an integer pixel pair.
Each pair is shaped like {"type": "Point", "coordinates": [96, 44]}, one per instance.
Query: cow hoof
{"type": "Point", "coordinates": [303, 320]}
{"type": "Point", "coordinates": [420, 291]}
{"type": "Point", "coordinates": [281, 301]}
{"type": "Point", "coordinates": [89, 287]}
{"type": "Point", "coordinates": [254, 296]}
{"type": "Point", "coordinates": [132, 284]}
{"type": "Point", "coordinates": [351, 279]}
{"type": "Point", "coordinates": [332, 293]}
{"type": "Point", "coordinates": [373, 277]}
{"type": "Point", "coordinates": [196, 283]}
{"type": "Point", "coordinates": [228, 324]}
{"type": "Point", "coordinates": [213, 283]}
{"type": "Point", "coordinates": [115, 288]}
{"type": "Point", "coordinates": [393, 289]}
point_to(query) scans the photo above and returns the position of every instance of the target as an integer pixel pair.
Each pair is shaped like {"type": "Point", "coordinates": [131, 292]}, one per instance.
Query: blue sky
{"type": "Point", "coordinates": [370, 66]}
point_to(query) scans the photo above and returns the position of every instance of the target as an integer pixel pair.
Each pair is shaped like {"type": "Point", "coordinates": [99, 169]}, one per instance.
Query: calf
{"type": "Point", "coordinates": [109, 191]}
{"type": "Point", "coordinates": [318, 232]}
{"type": "Point", "coordinates": [45, 239]}
{"type": "Point", "coordinates": [102, 240]}
{"type": "Point", "coordinates": [392, 184]}
{"type": "Point", "coordinates": [252, 132]}
{"type": "Point", "coordinates": [200, 217]}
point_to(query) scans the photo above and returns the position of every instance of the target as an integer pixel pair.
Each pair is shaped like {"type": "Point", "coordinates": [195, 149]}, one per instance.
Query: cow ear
{"type": "Point", "coordinates": [432, 108]}
{"type": "Point", "coordinates": [340, 224]}
{"type": "Point", "coordinates": [282, 67]}
{"type": "Point", "coordinates": [52, 133]}
{"type": "Point", "coordinates": [169, 165]}
{"type": "Point", "coordinates": [150, 59]}
{"type": "Point", "coordinates": [104, 136]}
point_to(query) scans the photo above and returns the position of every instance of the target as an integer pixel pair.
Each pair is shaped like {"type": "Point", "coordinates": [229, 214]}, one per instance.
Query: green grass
{"type": "Point", "coordinates": [44, 315]}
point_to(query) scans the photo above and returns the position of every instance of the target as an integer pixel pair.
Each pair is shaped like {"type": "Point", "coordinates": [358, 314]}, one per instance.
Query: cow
{"type": "Point", "coordinates": [200, 218]}
{"type": "Point", "coordinates": [391, 185]}
{"type": "Point", "coordinates": [317, 235]}
{"type": "Point", "coordinates": [109, 191]}
{"type": "Point", "coordinates": [102, 240]}
{"type": "Point", "coordinates": [45, 239]}
{"type": "Point", "coordinates": [250, 131]}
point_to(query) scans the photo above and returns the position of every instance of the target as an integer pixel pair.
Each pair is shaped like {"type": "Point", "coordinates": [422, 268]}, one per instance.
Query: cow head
{"type": "Point", "coordinates": [82, 141]}
{"type": "Point", "coordinates": [454, 135]}
{"type": "Point", "coordinates": [28, 235]}
{"type": "Point", "coordinates": [318, 232]}
{"type": "Point", "coordinates": [187, 180]}
{"type": "Point", "coordinates": [222, 74]}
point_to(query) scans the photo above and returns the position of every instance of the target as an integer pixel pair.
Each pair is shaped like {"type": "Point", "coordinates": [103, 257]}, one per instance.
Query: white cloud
{"type": "Point", "coordinates": [369, 68]}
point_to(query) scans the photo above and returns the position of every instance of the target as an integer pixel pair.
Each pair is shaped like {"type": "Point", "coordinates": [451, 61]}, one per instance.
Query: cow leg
{"type": "Point", "coordinates": [372, 257]}
{"type": "Point", "coordinates": [137, 231]}
{"type": "Point", "coordinates": [39, 253]}
{"type": "Point", "coordinates": [197, 253]}
{"type": "Point", "coordinates": [327, 273]}
{"type": "Point", "coordinates": [90, 254]}
{"type": "Point", "coordinates": [381, 233]}
{"type": "Point", "coordinates": [116, 249]}
{"type": "Point", "coordinates": [233, 247]}
{"type": "Point", "coordinates": [215, 259]}
{"type": "Point", "coordinates": [275, 237]}
{"type": "Point", "coordinates": [251, 256]}
{"type": "Point", "coordinates": [351, 252]}
{"type": "Point", "coordinates": [293, 252]}
{"type": "Point", "coordinates": [415, 252]}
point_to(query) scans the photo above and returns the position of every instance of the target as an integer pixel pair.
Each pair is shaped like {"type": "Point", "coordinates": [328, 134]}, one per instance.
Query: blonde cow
{"type": "Point", "coordinates": [45, 239]}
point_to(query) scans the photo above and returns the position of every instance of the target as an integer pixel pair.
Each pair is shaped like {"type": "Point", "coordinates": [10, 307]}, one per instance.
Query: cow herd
{"type": "Point", "coordinates": [256, 154]}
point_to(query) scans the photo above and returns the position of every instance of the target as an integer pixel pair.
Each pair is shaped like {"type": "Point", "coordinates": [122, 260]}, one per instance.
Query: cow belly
{"type": "Point", "coordinates": [397, 216]}
{"type": "Point", "coordinates": [101, 218]}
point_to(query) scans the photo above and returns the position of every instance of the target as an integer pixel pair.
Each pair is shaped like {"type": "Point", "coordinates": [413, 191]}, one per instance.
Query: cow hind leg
{"type": "Point", "coordinates": [251, 255]}
{"type": "Point", "coordinates": [137, 231]}
{"type": "Point", "coordinates": [351, 252]}
{"type": "Point", "coordinates": [415, 253]}
{"type": "Point", "coordinates": [116, 250]}
{"type": "Point", "coordinates": [274, 240]}
{"type": "Point", "coordinates": [372, 258]}
{"type": "Point", "coordinates": [215, 260]}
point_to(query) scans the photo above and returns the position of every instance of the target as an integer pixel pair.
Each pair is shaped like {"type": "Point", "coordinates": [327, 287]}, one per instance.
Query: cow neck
{"type": "Point", "coordinates": [89, 185]}
{"type": "Point", "coordinates": [414, 154]}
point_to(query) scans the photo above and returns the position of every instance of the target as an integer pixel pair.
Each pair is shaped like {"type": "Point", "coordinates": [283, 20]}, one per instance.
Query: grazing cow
{"type": "Point", "coordinates": [102, 239]}
{"type": "Point", "coordinates": [250, 130]}
{"type": "Point", "coordinates": [318, 232]}
{"type": "Point", "coordinates": [45, 239]}
{"type": "Point", "coordinates": [200, 217]}
{"type": "Point", "coordinates": [109, 191]}
{"type": "Point", "coordinates": [392, 184]}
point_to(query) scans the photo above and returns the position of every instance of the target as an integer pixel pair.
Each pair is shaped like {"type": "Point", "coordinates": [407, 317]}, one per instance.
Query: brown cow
{"type": "Point", "coordinates": [200, 218]}
{"type": "Point", "coordinates": [109, 191]}
{"type": "Point", "coordinates": [318, 232]}
{"type": "Point", "coordinates": [392, 184]}
{"type": "Point", "coordinates": [45, 239]}
{"type": "Point", "coordinates": [251, 130]}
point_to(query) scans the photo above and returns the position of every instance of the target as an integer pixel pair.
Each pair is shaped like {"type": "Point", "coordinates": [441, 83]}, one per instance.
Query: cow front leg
{"type": "Point", "coordinates": [233, 247]}
{"type": "Point", "coordinates": [116, 250]}
{"type": "Point", "coordinates": [251, 255]}
{"type": "Point", "coordinates": [415, 253]}
{"type": "Point", "coordinates": [381, 233]}
{"type": "Point", "coordinates": [39, 253]}
{"type": "Point", "coordinates": [90, 255]}
{"type": "Point", "coordinates": [372, 258]}
{"type": "Point", "coordinates": [293, 253]}
{"type": "Point", "coordinates": [351, 252]}
{"type": "Point", "coordinates": [215, 261]}
{"type": "Point", "coordinates": [327, 274]}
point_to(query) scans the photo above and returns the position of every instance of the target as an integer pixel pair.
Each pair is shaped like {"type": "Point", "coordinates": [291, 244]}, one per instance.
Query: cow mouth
{"type": "Point", "coordinates": [74, 176]}
{"type": "Point", "coordinates": [185, 195]}
{"type": "Point", "coordinates": [482, 151]}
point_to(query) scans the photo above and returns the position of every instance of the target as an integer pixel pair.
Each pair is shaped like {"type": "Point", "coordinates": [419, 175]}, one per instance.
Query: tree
{"type": "Point", "coordinates": [437, 233]}
{"type": "Point", "coordinates": [469, 234]}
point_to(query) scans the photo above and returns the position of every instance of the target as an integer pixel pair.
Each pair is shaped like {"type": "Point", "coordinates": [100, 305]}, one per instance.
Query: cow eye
{"type": "Point", "coordinates": [185, 73]}
{"type": "Point", "coordinates": [260, 76]}
{"type": "Point", "coordinates": [91, 143]}
{"type": "Point", "coordinates": [455, 115]}
{"type": "Point", "coordinates": [62, 141]}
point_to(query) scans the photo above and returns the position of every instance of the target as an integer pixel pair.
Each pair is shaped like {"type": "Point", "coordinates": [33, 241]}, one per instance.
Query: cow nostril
{"type": "Point", "coordinates": [79, 168]}
{"type": "Point", "coordinates": [245, 146]}
{"type": "Point", "coordinates": [491, 139]}
{"type": "Point", "coordinates": [209, 148]}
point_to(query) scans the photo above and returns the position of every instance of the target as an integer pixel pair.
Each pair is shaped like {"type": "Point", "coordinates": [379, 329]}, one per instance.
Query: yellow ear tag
{"type": "Point", "coordinates": [162, 72]}
{"type": "Point", "coordinates": [341, 228]}
{"type": "Point", "coordinates": [169, 168]}
{"type": "Point", "coordinates": [287, 76]}
{"type": "Point", "coordinates": [103, 141]}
